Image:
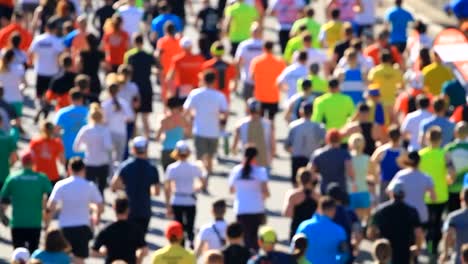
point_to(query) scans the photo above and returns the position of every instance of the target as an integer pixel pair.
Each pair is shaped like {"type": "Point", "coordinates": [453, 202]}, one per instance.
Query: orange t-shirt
{"type": "Point", "coordinates": [46, 152]}
{"type": "Point", "coordinates": [6, 32]}
{"type": "Point", "coordinates": [373, 51]}
{"type": "Point", "coordinates": [9, 3]}
{"type": "Point", "coordinates": [222, 82]}
{"type": "Point", "coordinates": [168, 48]}
{"type": "Point", "coordinates": [79, 43]}
{"type": "Point", "coordinates": [402, 101]}
{"type": "Point", "coordinates": [265, 69]}
{"type": "Point", "coordinates": [187, 67]}
{"type": "Point", "coordinates": [62, 100]}
{"type": "Point", "coordinates": [115, 46]}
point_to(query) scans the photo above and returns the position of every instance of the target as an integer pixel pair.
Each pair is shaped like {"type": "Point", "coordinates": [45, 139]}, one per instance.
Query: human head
{"type": "Point", "coordinates": [307, 40]}
{"type": "Point", "coordinates": [383, 37]}
{"type": "Point", "coordinates": [327, 206]}
{"type": "Point", "coordinates": [95, 114]}
{"type": "Point", "coordinates": [181, 151]}
{"type": "Point", "coordinates": [439, 106]}
{"type": "Point", "coordinates": [139, 146]}
{"type": "Point", "coordinates": [82, 22]}
{"type": "Point", "coordinates": [92, 41]}
{"type": "Point", "coordinates": [76, 167]}
{"type": "Point", "coordinates": [461, 130]}
{"type": "Point", "coordinates": [55, 241]}
{"type": "Point", "coordinates": [382, 251]}
{"type": "Point", "coordinates": [170, 29]}
{"type": "Point", "coordinates": [66, 62]}
{"type": "Point", "coordinates": [254, 106]}
{"type": "Point", "coordinates": [348, 32]}
{"type": "Point", "coordinates": [213, 257]}
{"type": "Point", "coordinates": [357, 143]}
{"type": "Point", "coordinates": [7, 59]}
{"type": "Point", "coordinates": [314, 68]}
{"type": "Point", "coordinates": [386, 57]}
{"type": "Point", "coordinates": [302, 57]}
{"type": "Point", "coordinates": [17, 16]}
{"type": "Point", "coordinates": [62, 9]}
{"type": "Point", "coordinates": [309, 11]}
{"type": "Point", "coordinates": [234, 233]}
{"type": "Point", "coordinates": [15, 40]}
{"type": "Point", "coordinates": [267, 238]}
{"type": "Point", "coordinates": [464, 253]}
{"type": "Point", "coordinates": [217, 49]}
{"type": "Point", "coordinates": [268, 46]}
{"type": "Point", "coordinates": [83, 82]}
{"type": "Point", "coordinates": [209, 78]}
{"type": "Point", "coordinates": [422, 101]}
{"type": "Point", "coordinates": [116, 22]}
{"type": "Point", "coordinates": [163, 7]}
{"type": "Point", "coordinates": [76, 96]}
{"type": "Point", "coordinates": [363, 111]}
{"type": "Point", "coordinates": [394, 134]}
{"type": "Point", "coordinates": [335, 14]}
{"type": "Point", "coordinates": [411, 159]}
{"type": "Point", "coordinates": [138, 40]}
{"type": "Point", "coordinates": [125, 72]}
{"type": "Point", "coordinates": [299, 245]}
{"type": "Point", "coordinates": [174, 232]}
{"type": "Point", "coordinates": [356, 44]}
{"type": "Point", "coordinates": [351, 56]}
{"type": "Point", "coordinates": [397, 191]}
{"type": "Point", "coordinates": [121, 206]}
{"type": "Point", "coordinates": [256, 30]}
{"type": "Point", "coordinates": [420, 27]}
{"type": "Point", "coordinates": [398, 2]}
{"type": "Point", "coordinates": [335, 192]}
{"type": "Point", "coordinates": [186, 43]}
{"type": "Point", "coordinates": [434, 136]}
{"type": "Point", "coordinates": [174, 104]}
{"type": "Point", "coordinates": [333, 137]}
{"type": "Point", "coordinates": [334, 85]}
{"type": "Point", "coordinates": [304, 177]}
{"type": "Point", "coordinates": [306, 108]}
{"type": "Point", "coordinates": [27, 159]}
{"type": "Point", "coordinates": [250, 153]}
{"type": "Point", "coordinates": [20, 255]}
{"type": "Point", "coordinates": [47, 129]}
{"type": "Point", "coordinates": [219, 208]}
{"type": "Point", "coordinates": [51, 26]}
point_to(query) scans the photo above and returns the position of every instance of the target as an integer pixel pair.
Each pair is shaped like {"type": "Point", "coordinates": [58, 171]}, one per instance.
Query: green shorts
{"type": "Point", "coordinates": [18, 106]}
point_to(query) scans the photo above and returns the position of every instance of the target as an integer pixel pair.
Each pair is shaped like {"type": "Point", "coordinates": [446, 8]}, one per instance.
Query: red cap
{"type": "Point", "coordinates": [27, 157]}
{"type": "Point", "coordinates": [333, 136]}
{"type": "Point", "coordinates": [174, 229]}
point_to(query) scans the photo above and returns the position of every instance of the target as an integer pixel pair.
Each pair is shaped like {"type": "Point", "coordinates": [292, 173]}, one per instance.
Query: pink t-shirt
{"type": "Point", "coordinates": [346, 9]}
{"type": "Point", "coordinates": [287, 11]}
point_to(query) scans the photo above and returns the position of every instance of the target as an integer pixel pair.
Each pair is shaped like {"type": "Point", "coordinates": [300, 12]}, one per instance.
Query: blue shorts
{"type": "Point", "coordinates": [360, 200]}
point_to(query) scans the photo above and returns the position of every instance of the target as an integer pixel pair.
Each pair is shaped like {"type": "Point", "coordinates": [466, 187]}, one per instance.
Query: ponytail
{"type": "Point", "coordinates": [249, 154]}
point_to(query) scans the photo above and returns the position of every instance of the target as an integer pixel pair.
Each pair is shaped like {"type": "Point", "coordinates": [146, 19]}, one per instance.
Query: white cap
{"type": "Point", "coordinates": [20, 254]}
{"type": "Point", "coordinates": [182, 146]}
{"type": "Point", "coordinates": [186, 42]}
{"type": "Point", "coordinates": [416, 80]}
{"type": "Point", "coordinates": [140, 142]}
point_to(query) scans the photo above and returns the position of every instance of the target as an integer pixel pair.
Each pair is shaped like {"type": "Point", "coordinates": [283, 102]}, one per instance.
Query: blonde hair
{"type": "Point", "coordinates": [357, 143]}
{"type": "Point", "coordinates": [213, 257]}
{"type": "Point", "coordinates": [382, 251]}
{"type": "Point", "coordinates": [95, 115]}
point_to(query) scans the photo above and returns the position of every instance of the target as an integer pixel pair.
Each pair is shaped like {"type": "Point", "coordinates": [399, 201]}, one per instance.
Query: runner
{"type": "Point", "coordinates": [115, 42]}
{"type": "Point", "coordinates": [437, 119]}
{"type": "Point", "coordinates": [288, 79]}
{"type": "Point", "coordinates": [235, 252]}
{"type": "Point", "coordinates": [175, 234]}
{"type": "Point", "coordinates": [287, 12]}
{"type": "Point", "coordinates": [12, 79]}
{"type": "Point", "coordinates": [62, 83]}
{"type": "Point", "coordinates": [238, 18]}
{"type": "Point", "coordinates": [398, 18]}
{"type": "Point", "coordinates": [16, 27]}
{"type": "Point", "coordinates": [131, 17]}
{"type": "Point", "coordinates": [412, 122]}
{"type": "Point", "coordinates": [267, 240]}
{"type": "Point", "coordinates": [55, 250]}
{"type": "Point", "coordinates": [212, 236]}
{"type": "Point", "coordinates": [159, 23]}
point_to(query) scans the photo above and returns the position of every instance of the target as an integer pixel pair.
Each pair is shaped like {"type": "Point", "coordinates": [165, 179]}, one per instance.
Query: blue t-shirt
{"type": "Point", "coordinates": [324, 239]}
{"type": "Point", "coordinates": [399, 19]}
{"type": "Point", "coordinates": [71, 119]}
{"type": "Point", "coordinates": [445, 125]}
{"type": "Point", "coordinates": [460, 8]}
{"type": "Point", "coordinates": [68, 39]}
{"type": "Point", "coordinates": [138, 175]}
{"type": "Point", "coordinates": [157, 25]}
{"type": "Point", "coordinates": [51, 257]}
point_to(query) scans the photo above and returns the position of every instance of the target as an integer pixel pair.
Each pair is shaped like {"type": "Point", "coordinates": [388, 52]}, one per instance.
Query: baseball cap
{"type": "Point", "coordinates": [267, 234]}
{"type": "Point", "coordinates": [174, 229]}
{"type": "Point", "coordinates": [186, 42]}
{"type": "Point", "coordinates": [217, 49]}
{"type": "Point", "coordinates": [374, 92]}
{"type": "Point", "coordinates": [27, 157]}
{"type": "Point", "coordinates": [140, 143]}
{"type": "Point", "coordinates": [398, 189]}
{"type": "Point", "coordinates": [20, 254]}
{"type": "Point", "coordinates": [182, 147]}
{"type": "Point", "coordinates": [254, 105]}
{"type": "Point", "coordinates": [416, 80]}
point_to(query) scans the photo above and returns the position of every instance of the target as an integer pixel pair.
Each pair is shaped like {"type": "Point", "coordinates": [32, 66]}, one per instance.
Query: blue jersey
{"type": "Point", "coordinates": [71, 119]}
{"type": "Point", "coordinates": [399, 19]}
{"type": "Point", "coordinates": [157, 25]}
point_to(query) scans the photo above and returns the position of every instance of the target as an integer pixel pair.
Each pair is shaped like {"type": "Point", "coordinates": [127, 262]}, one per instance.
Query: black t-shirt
{"type": "Point", "coordinates": [121, 239]}
{"type": "Point", "coordinates": [102, 14]}
{"type": "Point", "coordinates": [138, 175]}
{"type": "Point", "coordinates": [91, 60]}
{"type": "Point", "coordinates": [142, 63]}
{"type": "Point", "coordinates": [62, 83]}
{"type": "Point", "coordinates": [340, 49]}
{"type": "Point", "coordinates": [209, 17]}
{"type": "Point", "coordinates": [274, 257]}
{"type": "Point", "coordinates": [396, 222]}
{"type": "Point", "coordinates": [178, 8]}
{"type": "Point", "coordinates": [236, 254]}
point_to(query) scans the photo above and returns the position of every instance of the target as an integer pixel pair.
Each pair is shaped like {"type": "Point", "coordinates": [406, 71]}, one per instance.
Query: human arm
{"type": "Point", "coordinates": [448, 241]}
{"type": "Point", "coordinates": [141, 253]}
{"type": "Point", "coordinates": [117, 183]}
{"type": "Point", "coordinates": [235, 141]}
{"type": "Point", "coordinates": [350, 172]}
{"type": "Point", "coordinates": [289, 204]}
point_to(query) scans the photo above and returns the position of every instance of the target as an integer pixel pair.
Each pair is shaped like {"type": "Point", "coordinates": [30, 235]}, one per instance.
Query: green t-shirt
{"type": "Point", "coordinates": [294, 44]}
{"type": "Point", "coordinates": [313, 27]}
{"type": "Point", "coordinates": [242, 16]}
{"type": "Point", "coordinates": [8, 146]}
{"type": "Point", "coordinates": [319, 85]}
{"type": "Point", "coordinates": [26, 190]}
{"type": "Point", "coordinates": [433, 163]}
{"type": "Point", "coordinates": [333, 110]}
{"type": "Point", "coordinates": [458, 153]}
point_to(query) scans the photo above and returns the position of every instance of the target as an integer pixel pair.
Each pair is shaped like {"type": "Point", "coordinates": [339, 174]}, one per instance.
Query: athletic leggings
{"type": "Point", "coordinates": [434, 226]}
{"type": "Point", "coordinates": [185, 214]}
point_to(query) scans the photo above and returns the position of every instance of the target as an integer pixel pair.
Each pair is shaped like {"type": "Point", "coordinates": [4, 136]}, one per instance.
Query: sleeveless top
{"type": "Point", "coordinates": [303, 211]}
{"type": "Point", "coordinates": [172, 136]}
{"type": "Point", "coordinates": [388, 165]}
{"type": "Point", "coordinates": [366, 130]}
{"type": "Point", "coordinates": [353, 84]}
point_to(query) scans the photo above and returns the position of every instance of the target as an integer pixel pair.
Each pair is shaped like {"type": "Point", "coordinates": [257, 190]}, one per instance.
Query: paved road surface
{"type": "Point", "coordinates": [279, 182]}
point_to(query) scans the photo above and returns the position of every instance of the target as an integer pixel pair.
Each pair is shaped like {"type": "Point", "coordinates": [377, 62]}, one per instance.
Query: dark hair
{"type": "Point", "coordinates": [306, 85]}
{"type": "Point", "coordinates": [422, 101]}
{"type": "Point", "coordinates": [82, 81]}
{"type": "Point", "coordinates": [464, 194]}
{"type": "Point", "coordinates": [170, 28]}
{"type": "Point", "coordinates": [174, 102]}
{"type": "Point", "coordinates": [66, 61]}
{"type": "Point", "coordinates": [219, 207]}
{"type": "Point", "coordinates": [302, 56]}
{"type": "Point", "coordinates": [18, 14]}
{"type": "Point", "coordinates": [163, 7]}
{"type": "Point", "coordinates": [76, 94]}
{"type": "Point", "coordinates": [464, 252]}
{"type": "Point", "coordinates": [55, 241]}
{"type": "Point", "coordinates": [121, 204]}
{"type": "Point", "coordinates": [307, 38]}
{"type": "Point", "coordinates": [435, 134]}
{"type": "Point", "coordinates": [249, 154]}
{"type": "Point", "coordinates": [420, 26]}
{"type": "Point", "coordinates": [300, 246]}
{"type": "Point", "coordinates": [424, 57]}
{"type": "Point", "coordinates": [76, 164]}
{"type": "Point", "coordinates": [386, 56]}
{"type": "Point", "coordinates": [2, 91]}
{"type": "Point", "coordinates": [363, 107]}
{"type": "Point", "coordinates": [333, 83]}
{"type": "Point", "coordinates": [356, 44]}
{"type": "Point", "coordinates": [113, 91]}
{"type": "Point", "coordinates": [138, 38]}
{"type": "Point", "coordinates": [314, 68]}
{"type": "Point", "coordinates": [439, 105]}
{"type": "Point", "coordinates": [413, 159]}
{"type": "Point", "coordinates": [209, 77]}
{"type": "Point", "coordinates": [383, 35]}
{"type": "Point", "coordinates": [310, 12]}
{"type": "Point", "coordinates": [326, 203]}
{"type": "Point", "coordinates": [268, 46]}
{"type": "Point", "coordinates": [304, 176]}
{"type": "Point", "coordinates": [15, 39]}
{"type": "Point", "coordinates": [234, 230]}
{"type": "Point", "coordinates": [335, 13]}
{"type": "Point", "coordinates": [394, 133]}
{"type": "Point", "coordinates": [93, 42]}
{"type": "Point", "coordinates": [398, 2]}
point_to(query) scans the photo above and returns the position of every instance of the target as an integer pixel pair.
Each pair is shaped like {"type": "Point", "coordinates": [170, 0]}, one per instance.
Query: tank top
{"type": "Point", "coordinates": [353, 85]}
{"type": "Point", "coordinates": [388, 165]}
{"type": "Point", "coordinates": [172, 136]}
{"type": "Point", "coordinates": [433, 164]}
{"type": "Point", "coordinates": [366, 130]}
{"type": "Point", "coordinates": [303, 211]}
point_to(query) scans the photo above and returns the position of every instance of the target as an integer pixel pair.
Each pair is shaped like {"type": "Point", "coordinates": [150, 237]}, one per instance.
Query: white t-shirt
{"type": "Point", "coordinates": [183, 174]}
{"type": "Point", "coordinates": [208, 234]}
{"type": "Point", "coordinates": [11, 81]}
{"type": "Point", "coordinates": [287, 11]}
{"type": "Point", "coordinates": [46, 48]}
{"type": "Point", "coordinates": [411, 125]}
{"type": "Point", "coordinates": [367, 16]}
{"type": "Point", "coordinates": [247, 51]}
{"type": "Point", "coordinates": [249, 199]}
{"type": "Point", "coordinates": [207, 104]}
{"type": "Point", "coordinates": [74, 195]}
{"type": "Point", "coordinates": [96, 142]}
{"type": "Point", "coordinates": [128, 92]}
{"type": "Point", "coordinates": [313, 56]}
{"type": "Point", "coordinates": [291, 75]}
{"type": "Point", "coordinates": [365, 62]}
{"type": "Point", "coordinates": [131, 17]}
{"type": "Point", "coordinates": [116, 121]}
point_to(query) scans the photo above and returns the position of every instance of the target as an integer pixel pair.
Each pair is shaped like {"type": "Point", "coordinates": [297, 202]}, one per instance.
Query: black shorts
{"type": "Point", "coordinates": [146, 98]}
{"type": "Point", "coordinates": [29, 7]}
{"type": "Point", "coordinates": [42, 84]}
{"type": "Point", "coordinates": [166, 158]}
{"type": "Point", "coordinates": [271, 109]}
{"type": "Point", "coordinates": [247, 90]}
{"type": "Point", "coordinates": [78, 237]}
{"type": "Point", "coordinates": [26, 237]}
{"type": "Point", "coordinates": [6, 12]}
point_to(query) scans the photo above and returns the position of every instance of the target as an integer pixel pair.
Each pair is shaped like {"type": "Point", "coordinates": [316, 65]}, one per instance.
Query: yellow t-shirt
{"type": "Point", "coordinates": [435, 74]}
{"type": "Point", "coordinates": [388, 79]}
{"type": "Point", "coordinates": [331, 33]}
{"type": "Point", "coordinates": [173, 254]}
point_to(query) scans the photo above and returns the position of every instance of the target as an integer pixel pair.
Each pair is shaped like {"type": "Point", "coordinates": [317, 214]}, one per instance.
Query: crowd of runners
{"type": "Point", "coordinates": [377, 131]}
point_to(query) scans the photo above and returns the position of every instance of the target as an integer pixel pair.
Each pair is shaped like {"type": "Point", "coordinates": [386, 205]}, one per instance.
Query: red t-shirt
{"type": "Point", "coordinates": [115, 46]}
{"type": "Point", "coordinates": [46, 151]}
{"type": "Point", "coordinates": [402, 102]}
{"type": "Point", "coordinates": [225, 73]}
{"type": "Point", "coordinates": [6, 32]}
{"type": "Point", "coordinates": [187, 67]}
{"type": "Point", "coordinates": [168, 47]}
{"type": "Point", "coordinates": [374, 50]}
